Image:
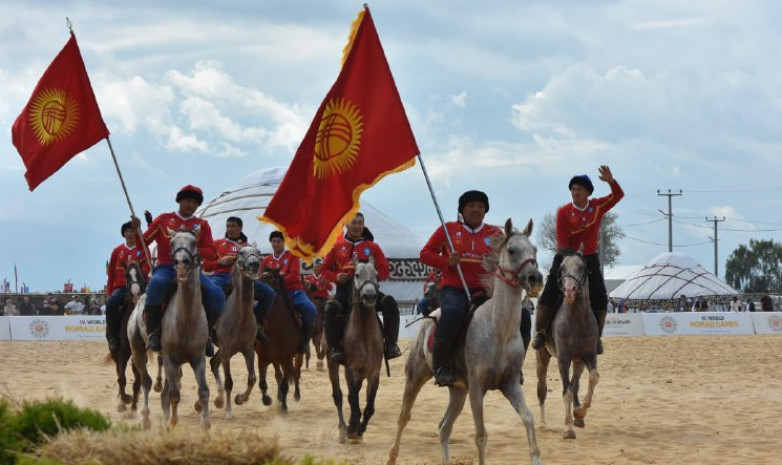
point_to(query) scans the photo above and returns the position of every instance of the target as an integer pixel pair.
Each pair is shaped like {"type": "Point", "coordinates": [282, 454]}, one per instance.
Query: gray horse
{"type": "Point", "coordinates": [183, 334]}
{"type": "Point", "coordinates": [236, 329]}
{"type": "Point", "coordinates": [572, 339]}
{"type": "Point", "coordinates": [363, 343]}
{"type": "Point", "coordinates": [493, 348]}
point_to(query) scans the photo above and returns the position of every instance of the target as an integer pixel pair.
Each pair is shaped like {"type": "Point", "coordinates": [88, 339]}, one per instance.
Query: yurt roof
{"type": "Point", "coordinates": [669, 275]}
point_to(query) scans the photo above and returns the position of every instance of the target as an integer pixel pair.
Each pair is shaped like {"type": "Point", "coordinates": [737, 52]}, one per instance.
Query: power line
{"type": "Point", "coordinates": [663, 245]}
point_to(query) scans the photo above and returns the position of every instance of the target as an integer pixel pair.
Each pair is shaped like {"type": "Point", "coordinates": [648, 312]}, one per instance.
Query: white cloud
{"type": "Point", "coordinates": [459, 100]}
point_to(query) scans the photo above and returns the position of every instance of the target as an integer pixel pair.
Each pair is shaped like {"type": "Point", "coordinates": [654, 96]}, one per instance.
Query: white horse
{"type": "Point", "coordinates": [236, 328]}
{"type": "Point", "coordinates": [183, 334]}
{"type": "Point", "coordinates": [493, 348]}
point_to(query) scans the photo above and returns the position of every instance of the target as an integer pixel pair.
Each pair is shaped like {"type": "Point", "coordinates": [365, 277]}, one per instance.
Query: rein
{"type": "Point", "coordinates": [355, 296]}
{"type": "Point", "coordinates": [195, 258]}
{"type": "Point", "coordinates": [580, 280]}
{"type": "Point", "coordinates": [509, 276]}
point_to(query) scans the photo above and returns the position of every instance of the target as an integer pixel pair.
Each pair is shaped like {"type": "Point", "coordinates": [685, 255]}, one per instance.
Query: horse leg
{"type": "Point", "coordinates": [297, 376]}
{"type": "Point", "coordinates": [199, 368]}
{"type": "Point", "coordinates": [594, 377]}
{"type": "Point", "coordinates": [121, 382]}
{"type": "Point", "coordinates": [262, 384]}
{"type": "Point", "coordinates": [173, 397]}
{"type": "Point", "coordinates": [373, 384]}
{"type": "Point", "coordinates": [336, 394]}
{"type": "Point", "coordinates": [477, 392]}
{"type": "Point", "coordinates": [543, 359]}
{"type": "Point", "coordinates": [515, 395]}
{"type": "Point", "coordinates": [354, 382]}
{"type": "Point", "coordinates": [229, 387]}
{"type": "Point", "coordinates": [416, 375]}
{"type": "Point", "coordinates": [249, 355]}
{"type": "Point", "coordinates": [281, 374]}
{"type": "Point", "coordinates": [456, 398]}
{"type": "Point", "coordinates": [159, 378]}
{"type": "Point", "coordinates": [214, 364]}
{"type": "Point", "coordinates": [140, 365]}
{"type": "Point", "coordinates": [578, 412]}
{"type": "Point", "coordinates": [567, 396]}
{"type": "Point", "coordinates": [137, 387]}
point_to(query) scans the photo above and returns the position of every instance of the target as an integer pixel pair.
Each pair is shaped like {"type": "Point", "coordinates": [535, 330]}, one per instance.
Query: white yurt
{"type": "Point", "coordinates": [249, 198]}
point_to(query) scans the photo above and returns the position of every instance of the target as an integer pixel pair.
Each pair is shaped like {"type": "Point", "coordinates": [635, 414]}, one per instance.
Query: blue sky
{"type": "Point", "coordinates": [512, 98]}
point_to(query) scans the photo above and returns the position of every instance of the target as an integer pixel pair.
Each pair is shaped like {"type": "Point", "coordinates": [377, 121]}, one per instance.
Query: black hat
{"type": "Point", "coordinates": [582, 180]}
{"type": "Point", "coordinates": [276, 234]}
{"type": "Point", "coordinates": [473, 196]}
{"type": "Point", "coordinates": [190, 192]}
{"type": "Point", "coordinates": [125, 227]}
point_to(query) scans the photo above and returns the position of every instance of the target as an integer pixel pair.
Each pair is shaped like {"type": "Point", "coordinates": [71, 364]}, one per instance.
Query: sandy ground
{"type": "Point", "coordinates": [689, 399]}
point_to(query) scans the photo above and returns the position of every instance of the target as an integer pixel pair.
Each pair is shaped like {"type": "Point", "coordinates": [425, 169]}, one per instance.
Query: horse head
{"type": "Point", "coordinates": [430, 291]}
{"type": "Point", "coordinates": [249, 262]}
{"type": "Point", "coordinates": [273, 278]}
{"type": "Point", "coordinates": [184, 254]}
{"type": "Point", "coordinates": [572, 274]}
{"type": "Point", "coordinates": [516, 259]}
{"type": "Point", "coordinates": [135, 281]}
{"type": "Point", "coordinates": [365, 286]}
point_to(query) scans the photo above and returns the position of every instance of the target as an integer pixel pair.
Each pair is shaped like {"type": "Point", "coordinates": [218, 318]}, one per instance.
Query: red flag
{"type": "Point", "coordinates": [359, 135]}
{"type": "Point", "coordinates": [60, 120]}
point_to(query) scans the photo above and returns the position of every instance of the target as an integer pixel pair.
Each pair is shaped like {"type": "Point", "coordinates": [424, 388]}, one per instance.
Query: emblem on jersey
{"type": "Point", "coordinates": [591, 209]}
{"type": "Point", "coordinates": [486, 241]}
{"type": "Point", "coordinates": [285, 262]}
{"type": "Point", "coordinates": [54, 115]}
{"type": "Point", "coordinates": [366, 251]}
{"type": "Point", "coordinates": [339, 138]}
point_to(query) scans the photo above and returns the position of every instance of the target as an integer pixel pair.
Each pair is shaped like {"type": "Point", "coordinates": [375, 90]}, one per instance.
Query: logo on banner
{"type": "Point", "coordinates": [338, 142]}
{"type": "Point", "coordinates": [668, 325]}
{"type": "Point", "coordinates": [39, 329]}
{"type": "Point", "coordinates": [775, 323]}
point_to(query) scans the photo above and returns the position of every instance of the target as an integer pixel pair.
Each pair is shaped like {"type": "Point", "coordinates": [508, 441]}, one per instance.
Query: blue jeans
{"type": "Point", "coordinates": [264, 294]}
{"type": "Point", "coordinates": [303, 304]}
{"type": "Point", "coordinates": [454, 307]}
{"type": "Point", "coordinates": [115, 301]}
{"type": "Point", "coordinates": [163, 275]}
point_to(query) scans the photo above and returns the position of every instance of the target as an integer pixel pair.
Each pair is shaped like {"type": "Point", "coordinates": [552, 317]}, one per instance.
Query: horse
{"type": "Point", "coordinates": [363, 344]}
{"type": "Point", "coordinates": [317, 332]}
{"type": "Point", "coordinates": [183, 338]}
{"type": "Point", "coordinates": [493, 349]}
{"type": "Point", "coordinates": [135, 285]}
{"type": "Point", "coordinates": [236, 328]}
{"type": "Point", "coordinates": [572, 339]}
{"type": "Point", "coordinates": [281, 348]}
{"type": "Point", "coordinates": [432, 296]}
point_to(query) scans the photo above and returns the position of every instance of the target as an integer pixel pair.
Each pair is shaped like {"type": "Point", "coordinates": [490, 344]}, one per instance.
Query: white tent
{"type": "Point", "coordinates": [249, 198]}
{"type": "Point", "coordinates": [669, 275]}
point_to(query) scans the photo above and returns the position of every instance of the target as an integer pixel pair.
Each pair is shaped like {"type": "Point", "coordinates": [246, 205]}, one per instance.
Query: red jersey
{"type": "Point", "coordinates": [340, 258]}
{"type": "Point", "coordinates": [289, 267]}
{"type": "Point", "coordinates": [224, 248]}
{"type": "Point", "coordinates": [320, 283]}
{"type": "Point", "coordinates": [576, 226]}
{"type": "Point", "coordinates": [471, 245]}
{"type": "Point", "coordinates": [163, 228]}
{"type": "Point", "coordinates": [123, 255]}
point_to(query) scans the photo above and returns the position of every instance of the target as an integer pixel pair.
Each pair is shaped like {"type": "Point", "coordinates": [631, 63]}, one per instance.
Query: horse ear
{"type": "Point", "coordinates": [508, 227]}
{"type": "Point", "coordinates": [528, 229]}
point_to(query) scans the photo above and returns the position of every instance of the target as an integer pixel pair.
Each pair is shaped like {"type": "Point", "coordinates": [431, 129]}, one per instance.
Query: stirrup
{"type": "Point", "coordinates": [392, 351]}
{"type": "Point", "coordinates": [444, 376]}
{"type": "Point", "coordinates": [538, 341]}
{"type": "Point", "coordinates": [337, 355]}
{"type": "Point", "coordinates": [153, 343]}
{"type": "Point", "coordinates": [209, 350]}
{"type": "Point", "coordinates": [260, 334]}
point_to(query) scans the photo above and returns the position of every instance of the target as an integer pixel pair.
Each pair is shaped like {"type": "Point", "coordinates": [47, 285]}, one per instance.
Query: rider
{"type": "Point", "coordinates": [317, 284]}
{"type": "Point", "coordinates": [471, 242]}
{"type": "Point", "coordinates": [160, 231]}
{"type": "Point", "coordinates": [578, 223]}
{"type": "Point", "coordinates": [227, 250]}
{"type": "Point", "coordinates": [122, 255]}
{"type": "Point", "coordinates": [289, 268]}
{"type": "Point", "coordinates": [338, 267]}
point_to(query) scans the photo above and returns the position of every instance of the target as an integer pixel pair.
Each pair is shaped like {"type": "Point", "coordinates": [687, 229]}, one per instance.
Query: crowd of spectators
{"type": "Point", "coordinates": [51, 304]}
{"type": "Point", "coordinates": [736, 303]}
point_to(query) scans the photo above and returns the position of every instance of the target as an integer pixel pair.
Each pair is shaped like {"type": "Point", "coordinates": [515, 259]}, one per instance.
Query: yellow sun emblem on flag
{"type": "Point", "coordinates": [54, 115]}
{"type": "Point", "coordinates": [339, 138]}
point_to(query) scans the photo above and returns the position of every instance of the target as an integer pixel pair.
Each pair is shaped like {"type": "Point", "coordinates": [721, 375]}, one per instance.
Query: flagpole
{"type": "Point", "coordinates": [442, 222]}
{"type": "Point", "coordinates": [127, 197]}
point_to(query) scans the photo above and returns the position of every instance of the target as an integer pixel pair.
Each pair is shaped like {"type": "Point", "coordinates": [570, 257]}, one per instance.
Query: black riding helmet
{"type": "Point", "coordinates": [583, 181]}
{"type": "Point", "coordinates": [473, 196]}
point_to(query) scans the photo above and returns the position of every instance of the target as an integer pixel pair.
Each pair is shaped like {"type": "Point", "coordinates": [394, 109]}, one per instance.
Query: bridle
{"type": "Point", "coordinates": [581, 281]}
{"type": "Point", "coordinates": [357, 291]}
{"type": "Point", "coordinates": [195, 259]}
{"type": "Point", "coordinates": [509, 276]}
{"type": "Point", "coordinates": [245, 269]}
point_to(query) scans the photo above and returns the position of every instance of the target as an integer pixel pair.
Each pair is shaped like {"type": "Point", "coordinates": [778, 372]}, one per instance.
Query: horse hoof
{"type": "Point", "coordinates": [158, 387]}
{"type": "Point", "coordinates": [569, 435]}
{"type": "Point", "coordinates": [197, 406]}
{"type": "Point", "coordinates": [146, 424]}
{"type": "Point", "coordinates": [267, 401]}
{"type": "Point", "coordinates": [240, 399]}
{"type": "Point", "coordinates": [579, 412]}
{"type": "Point", "coordinates": [579, 422]}
{"type": "Point", "coordinates": [320, 365]}
{"type": "Point", "coordinates": [121, 408]}
{"type": "Point", "coordinates": [218, 402]}
{"type": "Point", "coordinates": [126, 399]}
{"type": "Point", "coordinates": [297, 396]}
{"type": "Point", "coordinates": [206, 425]}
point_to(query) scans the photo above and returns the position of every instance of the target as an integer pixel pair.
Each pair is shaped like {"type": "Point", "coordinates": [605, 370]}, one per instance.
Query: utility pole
{"type": "Point", "coordinates": [669, 215]}
{"type": "Point", "coordinates": [715, 220]}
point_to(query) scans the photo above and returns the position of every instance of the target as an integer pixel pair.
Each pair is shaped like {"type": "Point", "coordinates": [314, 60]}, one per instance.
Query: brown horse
{"type": "Point", "coordinates": [281, 348]}
{"type": "Point", "coordinates": [135, 285]}
{"type": "Point", "coordinates": [572, 339]}
{"type": "Point", "coordinates": [317, 332]}
{"type": "Point", "coordinates": [363, 344]}
{"type": "Point", "coordinates": [236, 328]}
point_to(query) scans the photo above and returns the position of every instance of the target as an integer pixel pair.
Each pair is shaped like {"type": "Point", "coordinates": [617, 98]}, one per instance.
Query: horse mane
{"type": "Point", "coordinates": [492, 260]}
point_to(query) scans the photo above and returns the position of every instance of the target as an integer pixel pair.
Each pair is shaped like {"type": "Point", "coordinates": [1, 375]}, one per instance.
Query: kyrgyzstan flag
{"type": "Point", "coordinates": [359, 135]}
{"type": "Point", "coordinates": [60, 120]}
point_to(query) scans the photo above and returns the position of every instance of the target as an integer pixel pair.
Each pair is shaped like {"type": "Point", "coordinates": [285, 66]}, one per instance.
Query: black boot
{"type": "Point", "coordinates": [153, 316]}
{"type": "Point", "coordinates": [441, 357]}
{"type": "Point", "coordinates": [391, 327]}
{"type": "Point", "coordinates": [543, 316]}
{"type": "Point", "coordinates": [112, 331]}
{"type": "Point", "coordinates": [209, 350]}
{"type": "Point", "coordinates": [260, 318]}
{"type": "Point", "coordinates": [332, 326]}
{"type": "Point", "coordinates": [306, 335]}
{"type": "Point", "coordinates": [600, 315]}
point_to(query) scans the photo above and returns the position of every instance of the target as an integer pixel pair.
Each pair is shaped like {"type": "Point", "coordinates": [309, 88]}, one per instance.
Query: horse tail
{"type": "Point", "coordinates": [108, 359]}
